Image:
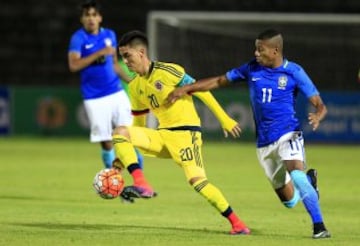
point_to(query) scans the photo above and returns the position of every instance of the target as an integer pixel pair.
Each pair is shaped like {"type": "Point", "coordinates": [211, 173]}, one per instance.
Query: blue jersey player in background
{"type": "Point", "coordinates": [273, 83]}
{"type": "Point", "coordinates": [92, 52]}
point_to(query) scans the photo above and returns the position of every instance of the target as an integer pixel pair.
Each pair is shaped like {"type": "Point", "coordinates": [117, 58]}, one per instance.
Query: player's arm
{"type": "Point", "coordinates": [320, 111]}
{"type": "Point", "coordinates": [120, 70]}
{"type": "Point", "coordinates": [228, 124]}
{"type": "Point", "coordinates": [77, 63]}
{"type": "Point", "coordinates": [308, 88]}
{"type": "Point", "coordinates": [200, 85]}
{"type": "Point", "coordinates": [138, 109]}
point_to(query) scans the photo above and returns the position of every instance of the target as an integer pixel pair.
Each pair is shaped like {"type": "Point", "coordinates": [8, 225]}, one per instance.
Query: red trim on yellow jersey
{"type": "Point", "coordinates": [140, 112]}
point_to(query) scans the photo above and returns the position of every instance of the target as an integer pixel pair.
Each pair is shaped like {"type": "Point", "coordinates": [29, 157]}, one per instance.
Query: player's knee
{"type": "Point", "coordinates": [194, 180]}
{"type": "Point", "coordinates": [121, 130]}
{"type": "Point", "coordinates": [198, 183]}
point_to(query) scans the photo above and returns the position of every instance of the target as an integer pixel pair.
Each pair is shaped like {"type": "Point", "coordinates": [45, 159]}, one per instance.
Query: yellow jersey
{"type": "Point", "coordinates": [149, 92]}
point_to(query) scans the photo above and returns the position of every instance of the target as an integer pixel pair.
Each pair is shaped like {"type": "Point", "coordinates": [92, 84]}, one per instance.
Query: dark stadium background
{"type": "Point", "coordinates": [35, 33]}
{"type": "Point", "coordinates": [35, 77]}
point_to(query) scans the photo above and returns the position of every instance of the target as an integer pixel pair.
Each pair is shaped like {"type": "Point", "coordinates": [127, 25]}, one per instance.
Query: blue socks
{"type": "Point", "coordinates": [294, 200]}
{"type": "Point", "coordinates": [308, 195]}
{"type": "Point", "coordinates": [109, 155]}
{"type": "Point", "coordinates": [140, 159]}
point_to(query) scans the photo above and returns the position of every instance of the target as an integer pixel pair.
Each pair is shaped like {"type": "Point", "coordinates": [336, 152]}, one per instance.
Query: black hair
{"type": "Point", "coordinates": [87, 4]}
{"type": "Point", "coordinates": [268, 34]}
{"type": "Point", "coordinates": [133, 37]}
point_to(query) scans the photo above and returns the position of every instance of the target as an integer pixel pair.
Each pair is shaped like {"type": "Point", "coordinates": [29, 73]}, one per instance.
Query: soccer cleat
{"type": "Point", "coordinates": [137, 192]}
{"type": "Point", "coordinates": [125, 198]}
{"type": "Point", "coordinates": [240, 229]}
{"type": "Point", "coordinates": [243, 231]}
{"type": "Point", "coordinates": [312, 176]}
{"type": "Point", "coordinates": [321, 234]}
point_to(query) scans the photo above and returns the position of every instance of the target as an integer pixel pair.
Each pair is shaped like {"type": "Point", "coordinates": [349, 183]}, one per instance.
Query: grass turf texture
{"type": "Point", "coordinates": [46, 198]}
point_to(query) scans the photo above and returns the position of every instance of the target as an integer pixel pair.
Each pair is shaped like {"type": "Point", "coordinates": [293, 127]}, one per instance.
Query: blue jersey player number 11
{"type": "Point", "coordinates": [273, 83]}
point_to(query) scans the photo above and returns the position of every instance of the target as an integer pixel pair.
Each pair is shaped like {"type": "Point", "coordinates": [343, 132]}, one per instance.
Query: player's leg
{"type": "Point", "coordinates": [107, 153]}
{"type": "Point", "coordinates": [126, 153]}
{"type": "Point", "coordinates": [216, 198]}
{"type": "Point", "coordinates": [99, 114]}
{"type": "Point", "coordinates": [312, 177]}
{"type": "Point", "coordinates": [288, 194]}
{"type": "Point", "coordinates": [121, 116]}
{"type": "Point", "coordinates": [277, 175]}
{"type": "Point", "coordinates": [293, 155]}
{"type": "Point", "coordinates": [149, 142]}
{"type": "Point", "coordinates": [309, 197]}
{"type": "Point", "coordinates": [140, 158]}
{"type": "Point", "coordinates": [185, 149]}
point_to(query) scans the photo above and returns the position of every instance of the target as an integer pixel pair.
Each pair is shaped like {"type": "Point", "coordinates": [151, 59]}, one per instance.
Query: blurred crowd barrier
{"type": "Point", "coordinates": [59, 111]}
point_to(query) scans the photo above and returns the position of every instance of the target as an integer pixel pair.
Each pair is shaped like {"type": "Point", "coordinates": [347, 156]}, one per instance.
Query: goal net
{"type": "Point", "coordinates": [210, 43]}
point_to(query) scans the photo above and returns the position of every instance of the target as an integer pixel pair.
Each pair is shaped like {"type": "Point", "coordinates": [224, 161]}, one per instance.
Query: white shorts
{"type": "Point", "coordinates": [289, 147]}
{"type": "Point", "coordinates": [106, 113]}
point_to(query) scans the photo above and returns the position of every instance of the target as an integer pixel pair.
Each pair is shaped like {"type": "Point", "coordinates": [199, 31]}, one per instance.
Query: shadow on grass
{"type": "Point", "coordinates": [130, 229]}
{"type": "Point", "coordinates": [110, 227]}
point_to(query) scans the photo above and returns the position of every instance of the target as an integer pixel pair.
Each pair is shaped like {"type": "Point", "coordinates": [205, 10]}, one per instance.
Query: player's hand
{"type": "Point", "coordinates": [175, 95]}
{"type": "Point", "coordinates": [314, 120]}
{"type": "Point", "coordinates": [232, 127]}
{"type": "Point", "coordinates": [108, 50]}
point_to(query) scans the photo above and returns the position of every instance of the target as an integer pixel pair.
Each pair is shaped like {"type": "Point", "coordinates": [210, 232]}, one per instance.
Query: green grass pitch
{"type": "Point", "coordinates": [46, 198]}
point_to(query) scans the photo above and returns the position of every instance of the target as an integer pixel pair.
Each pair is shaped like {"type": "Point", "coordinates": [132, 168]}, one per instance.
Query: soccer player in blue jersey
{"type": "Point", "coordinates": [273, 83]}
{"type": "Point", "coordinates": [92, 52]}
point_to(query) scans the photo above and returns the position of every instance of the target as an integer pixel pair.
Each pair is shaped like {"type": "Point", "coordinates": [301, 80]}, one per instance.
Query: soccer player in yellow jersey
{"type": "Point", "coordinates": [179, 133]}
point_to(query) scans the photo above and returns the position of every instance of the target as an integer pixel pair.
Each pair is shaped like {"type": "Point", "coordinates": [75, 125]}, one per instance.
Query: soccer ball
{"type": "Point", "coordinates": [108, 183]}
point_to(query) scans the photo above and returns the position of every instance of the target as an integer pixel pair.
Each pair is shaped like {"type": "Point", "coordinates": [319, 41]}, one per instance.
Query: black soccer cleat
{"type": "Point", "coordinates": [133, 191]}
{"type": "Point", "coordinates": [321, 234]}
{"type": "Point", "coordinates": [125, 198]}
{"type": "Point", "coordinates": [312, 176]}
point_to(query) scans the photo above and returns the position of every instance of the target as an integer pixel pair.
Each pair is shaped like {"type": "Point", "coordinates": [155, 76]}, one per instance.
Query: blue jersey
{"type": "Point", "coordinates": [99, 79]}
{"type": "Point", "coordinates": [273, 94]}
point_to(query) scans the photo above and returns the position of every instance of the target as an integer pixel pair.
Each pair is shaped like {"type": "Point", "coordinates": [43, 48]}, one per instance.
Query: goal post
{"type": "Point", "coordinates": [208, 43]}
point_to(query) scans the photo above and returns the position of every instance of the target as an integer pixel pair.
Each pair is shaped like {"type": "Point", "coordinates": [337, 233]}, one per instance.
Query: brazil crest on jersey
{"type": "Point", "coordinates": [273, 94]}
{"type": "Point", "coordinates": [99, 79]}
{"type": "Point", "coordinates": [149, 92]}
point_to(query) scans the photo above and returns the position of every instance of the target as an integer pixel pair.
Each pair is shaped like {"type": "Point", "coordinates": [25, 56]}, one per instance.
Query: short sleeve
{"type": "Point", "coordinates": [75, 44]}
{"type": "Point", "coordinates": [238, 74]}
{"type": "Point", "coordinates": [113, 38]}
{"type": "Point", "coordinates": [305, 84]}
